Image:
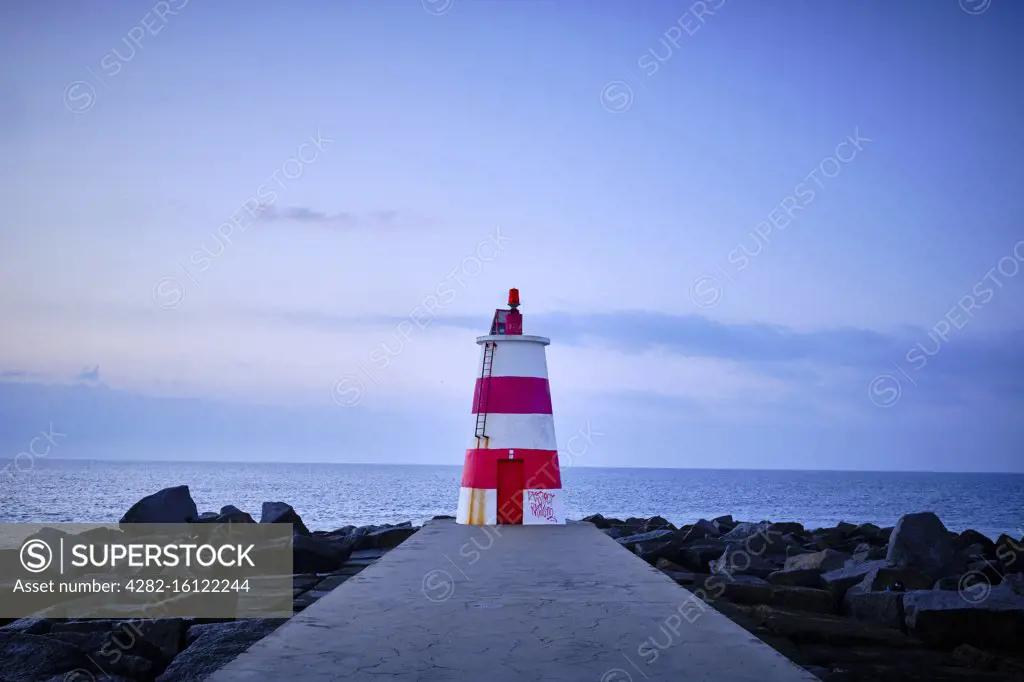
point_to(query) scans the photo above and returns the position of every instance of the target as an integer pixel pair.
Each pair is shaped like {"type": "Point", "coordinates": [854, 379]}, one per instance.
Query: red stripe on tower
{"type": "Point", "coordinates": [513, 395]}
{"type": "Point", "coordinates": [540, 468]}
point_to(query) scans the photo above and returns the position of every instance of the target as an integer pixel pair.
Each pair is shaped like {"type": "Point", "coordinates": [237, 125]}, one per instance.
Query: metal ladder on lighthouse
{"type": "Point", "coordinates": [481, 401]}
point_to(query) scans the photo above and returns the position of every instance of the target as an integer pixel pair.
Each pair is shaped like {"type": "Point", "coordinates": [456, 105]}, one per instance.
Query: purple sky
{"type": "Point", "coordinates": [759, 234]}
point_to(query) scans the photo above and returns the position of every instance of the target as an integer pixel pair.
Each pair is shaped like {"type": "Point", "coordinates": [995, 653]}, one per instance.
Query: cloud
{"type": "Point", "coordinates": [341, 220]}
{"type": "Point", "coordinates": [961, 368]}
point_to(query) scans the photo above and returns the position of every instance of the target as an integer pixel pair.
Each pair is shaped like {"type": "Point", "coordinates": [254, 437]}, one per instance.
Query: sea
{"type": "Point", "coordinates": [328, 496]}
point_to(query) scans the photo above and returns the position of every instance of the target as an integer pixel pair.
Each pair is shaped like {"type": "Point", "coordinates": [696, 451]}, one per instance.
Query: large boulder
{"type": "Point", "coordinates": [597, 520]}
{"type": "Point", "coordinates": [883, 608]}
{"type": "Point", "coordinates": [878, 598]}
{"type": "Point", "coordinates": [170, 505]}
{"type": "Point", "coordinates": [630, 541]}
{"type": "Point", "coordinates": [814, 628]}
{"type": "Point", "coordinates": [807, 599]}
{"type": "Point", "coordinates": [969, 538]}
{"type": "Point", "coordinates": [282, 512]}
{"type": "Point", "coordinates": [990, 619]}
{"type": "Point", "coordinates": [842, 579]}
{"type": "Point", "coordinates": [388, 538]}
{"type": "Point", "coordinates": [661, 547]}
{"type": "Point", "coordinates": [921, 541]}
{"type": "Point", "coordinates": [1010, 554]}
{"type": "Point", "coordinates": [824, 561]}
{"type": "Point", "coordinates": [37, 657]}
{"type": "Point", "coordinates": [29, 626]}
{"type": "Point", "coordinates": [318, 554]}
{"type": "Point", "coordinates": [868, 532]}
{"type": "Point", "coordinates": [745, 530]}
{"type": "Point", "coordinates": [698, 556]}
{"type": "Point", "coordinates": [724, 524]}
{"type": "Point", "coordinates": [229, 513]}
{"type": "Point", "coordinates": [797, 577]}
{"type": "Point", "coordinates": [213, 645]}
{"type": "Point", "coordinates": [658, 523]}
{"type": "Point", "coordinates": [738, 561]}
{"type": "Point", "coordinates": [702, 530]}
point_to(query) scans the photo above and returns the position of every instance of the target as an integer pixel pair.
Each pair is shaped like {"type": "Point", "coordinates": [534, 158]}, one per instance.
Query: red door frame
{"type": "Point", "coordinates": [510, 491]}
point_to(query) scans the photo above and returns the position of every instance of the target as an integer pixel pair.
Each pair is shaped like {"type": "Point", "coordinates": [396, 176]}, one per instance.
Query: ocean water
{"type": "Point", "coordinates": [328, 496]}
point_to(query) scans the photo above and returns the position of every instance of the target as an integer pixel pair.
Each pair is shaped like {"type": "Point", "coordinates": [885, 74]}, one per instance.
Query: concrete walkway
{"type": "Point", "coordinates": [510, 603]}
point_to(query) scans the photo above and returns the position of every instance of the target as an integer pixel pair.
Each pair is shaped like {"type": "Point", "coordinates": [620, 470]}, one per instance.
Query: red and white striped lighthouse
{"type": "Point", "coordinates": [511, 473]}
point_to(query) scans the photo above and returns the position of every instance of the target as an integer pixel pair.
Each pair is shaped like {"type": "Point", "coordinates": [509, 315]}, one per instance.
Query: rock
{"type": "Point", "coordinates": [675, 571]}
{"type": "Point", "coordinates": [615, 532]}
{"type": "Point", "coordinates": [208, 516]}
{"type": "Point", "coordinates": [657, 523]}
{"type": "Point", "coordinates": [759, 539]}
{"type": "Point", "coordinates": [970, 538]}
{"type": "Point", "coordinates": [663, 547]}
{"type": "Point", "coordinates": [737, 561]}
{"type": "Point", "coordinates": [630, 541]}
{"type": "Point", "coordinates": [170, 505]}
{"type": "Point", "coordinates": [1010, 554]}
{"type": "Point", "coordinates": [312, 554]}
{"type": "Point", "coordinates": [229, 513]}
{"type": "Point", "coordinates": [597, 520]}
{"type": "Point", "coordinates": [1015, 581]}
{"type": "Point", "coordinates": [745, 530]}
{"type": "Point", "coordinates": [388, 538]}
{"type": "Point", "coordinates": [815, 628]}
{"type": "Point", "coordinates": [950, 582]}
{"type": "Point", "coordinates": [212, 646]}
{"type": "Point", "coordinates": [281, 512]}
{"type": "Point", "coordinates": [132, 667]}
{"type": "Point", "coordinates": [151, 638]}
{"type": "Point", "coordinates": [702, 530]}
{"type": "Point", "coordinates": [786, 528]}
{"type": "Point", "coordinates": [867, 552]}
{"type": "Point", "coordinates": [883, 608]}
{"type": "Point", "coordinates": [885, 578]}
{"type": "Point", "coordinates": [811, 600]}
{"type": "Point", "coordinates": [724, 524]}
{"type": "Point", "coordinates": [976, 659]}
{"type": "Point", "coordinates": [824, 561]}
{"type": "Point", "coordinates": [29, 626]}
{"type": "Point", "coordinates": [444, 517]}
{"type": "Point", "coordinates": [698, 556]}
{"type": "Point", "coordinates": [37, 657]}
{"type": "Point", "coordinates": [797, 551]}
{"type": "Point", "coordinates": [842, 579]}
{"type": "Point", "coordinates": [745, 589]}
{"type": "Point", "coordinates": [985, 571]}
{"type": "Point", "coordinates": [797, 577]}
{"type": "Point", "coordinates": [991, 620]}
{"type": "Point", "coordinates": [827, 538]}
{"type": "Point", "coordinates": [920, 541]}
{"type": "Point", "coordinates": [868, 531]}
{"type": "Point", "coordinates": [806, 599]}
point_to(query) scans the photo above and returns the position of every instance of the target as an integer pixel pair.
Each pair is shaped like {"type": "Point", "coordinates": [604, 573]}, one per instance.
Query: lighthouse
{"type": "Point", "coordinates": [511, 472]}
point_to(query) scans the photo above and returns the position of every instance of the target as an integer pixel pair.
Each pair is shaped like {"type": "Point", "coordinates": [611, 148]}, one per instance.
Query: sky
{"type": "Point", "coordinates": [759, 234]}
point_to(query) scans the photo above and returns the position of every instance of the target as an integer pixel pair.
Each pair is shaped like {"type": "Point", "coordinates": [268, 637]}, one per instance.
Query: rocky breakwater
{"type": "Point", "coordinates": [181, 649]}
{"type": "Point", "coordinates": [852, 602]}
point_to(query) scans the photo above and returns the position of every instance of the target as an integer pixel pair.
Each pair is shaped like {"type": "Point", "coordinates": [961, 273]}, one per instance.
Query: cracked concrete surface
{"type": "Point", "coordinates": [503, 603]}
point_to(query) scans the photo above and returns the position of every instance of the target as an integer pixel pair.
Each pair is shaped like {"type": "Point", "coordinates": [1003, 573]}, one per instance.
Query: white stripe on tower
{"type": "Point", "coordinates": [513, 358]}
{"type": "Point", "coordinates": [527, 431]}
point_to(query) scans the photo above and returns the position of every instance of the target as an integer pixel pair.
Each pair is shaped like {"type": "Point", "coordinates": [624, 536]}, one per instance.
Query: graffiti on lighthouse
{"type": "Point", "coordinates": [542, 505]}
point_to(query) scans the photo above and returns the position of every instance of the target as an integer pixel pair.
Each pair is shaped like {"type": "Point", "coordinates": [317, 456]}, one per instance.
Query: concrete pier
{"type": "Point", "coordinates": [510, 603]}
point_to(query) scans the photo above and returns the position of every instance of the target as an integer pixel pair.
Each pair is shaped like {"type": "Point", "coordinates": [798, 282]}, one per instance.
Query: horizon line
{"type": "Point", "coordinates": [580, 466]}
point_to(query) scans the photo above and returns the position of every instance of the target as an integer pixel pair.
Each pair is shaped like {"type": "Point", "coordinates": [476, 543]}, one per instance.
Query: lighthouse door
{"type": "Point", "coordinates": [510, 491]}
